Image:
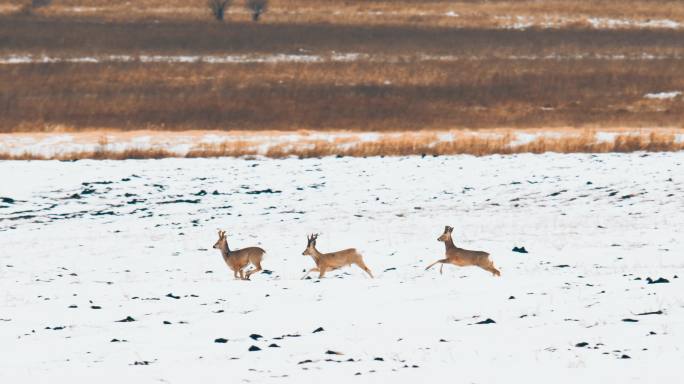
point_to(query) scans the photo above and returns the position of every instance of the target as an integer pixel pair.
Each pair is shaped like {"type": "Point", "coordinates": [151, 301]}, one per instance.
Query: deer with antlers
{"type": "Point", "coordinates": [333, 260]}
{"type": "Point", "coordinates": [239, 259]}
{"type": "Point", "coordinates": [463, 257]}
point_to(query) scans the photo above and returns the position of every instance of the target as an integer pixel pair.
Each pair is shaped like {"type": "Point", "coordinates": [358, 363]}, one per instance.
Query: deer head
{"type": "Point", "coordinates": [310, 245]}
{"type": "Point", "coordinates": [221, 243]}
{"type": "Point", "coordinates": [446, 236]}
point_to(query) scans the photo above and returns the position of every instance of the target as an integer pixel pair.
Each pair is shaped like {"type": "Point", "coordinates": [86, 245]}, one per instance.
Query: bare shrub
{"type": "Point", "coordinates": [29, 7]}
{"type": "Point", "coordinates": [218, 8]}
{"type": "Point", "coordinates": [257, 7]}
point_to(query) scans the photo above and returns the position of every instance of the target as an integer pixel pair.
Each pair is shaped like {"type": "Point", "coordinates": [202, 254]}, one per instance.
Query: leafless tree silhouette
{"type": "Point", "coordinates": [218, 8]}
{"type": "Point", "coordinates": [257, 7]}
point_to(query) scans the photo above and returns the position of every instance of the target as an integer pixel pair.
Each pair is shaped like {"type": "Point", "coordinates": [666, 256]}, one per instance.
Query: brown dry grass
{"type": "Point", "coordinates": [69, 36]}
{"type": "Point", "coordinates": [483, 88]}
{"type": "Point", "coordinates": [472, 13]}
{"type": "Point", "coordinates": [585, 141]}
{"type": "Point", "coordinates": [362, 96]}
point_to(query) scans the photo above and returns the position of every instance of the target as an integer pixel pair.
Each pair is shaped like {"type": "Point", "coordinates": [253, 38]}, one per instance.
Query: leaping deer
{"type": "Point", "coordinates": [332, 260]}
{"type": "Point", "coordinates": [463, 257]}
{"type": "Point", "coordinates": [239, 259]}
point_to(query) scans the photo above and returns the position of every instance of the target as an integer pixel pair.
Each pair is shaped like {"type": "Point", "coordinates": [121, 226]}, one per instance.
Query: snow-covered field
{"type": "Point", "coordinates": [84, 245]}
{"type": "Point", "coordinates": [339, 57]}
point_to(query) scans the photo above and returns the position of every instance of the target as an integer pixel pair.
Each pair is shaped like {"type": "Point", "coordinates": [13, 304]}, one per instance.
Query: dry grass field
{"type": "Point", "coordinates": [463, 13]}
{"type": "Point", "coordinates": [380, 66]}
{"type": "Point", "coordinates": [356, 96]}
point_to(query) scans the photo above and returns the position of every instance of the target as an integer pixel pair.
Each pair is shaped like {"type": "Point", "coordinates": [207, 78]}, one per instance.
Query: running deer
{"type": "Point", "coordinates": [239, 259]}
{"type": "Point", "coordinates": [463, 257]}
{"type": "Point", "coordinates": [333, 260]}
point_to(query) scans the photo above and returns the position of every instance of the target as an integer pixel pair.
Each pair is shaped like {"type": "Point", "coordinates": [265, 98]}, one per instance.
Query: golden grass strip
{"type": "Point", "coordinates": [390, 145]}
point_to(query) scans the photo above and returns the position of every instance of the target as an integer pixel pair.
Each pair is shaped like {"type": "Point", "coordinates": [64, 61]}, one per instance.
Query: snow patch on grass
{"type": "Point", "coordinates": [663, 95]}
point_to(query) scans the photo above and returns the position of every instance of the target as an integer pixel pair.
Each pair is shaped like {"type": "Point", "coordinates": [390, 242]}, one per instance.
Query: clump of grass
{"type": "Point", "coordinates": [235, 148]}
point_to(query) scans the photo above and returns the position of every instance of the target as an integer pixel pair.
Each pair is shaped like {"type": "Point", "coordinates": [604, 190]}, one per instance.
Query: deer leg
{"type": "Point", "coordinates": [257, 268]}
{"type": "Point", "coordinates": [314, 269]}
{"type": "Point", "coordinates": [438, 261]}
{"type": "Point", "coordinates": [489, 267]}
{"type": "Point", "coordinates": [363, 266]}
{"type": "Point", "coordinates": [321, 272]}
{"type": "Point", "coordinates": [493, 269]}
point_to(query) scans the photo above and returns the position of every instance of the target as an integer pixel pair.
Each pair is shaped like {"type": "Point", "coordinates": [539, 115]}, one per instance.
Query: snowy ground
{"type": "Point", "coordinates": [86, 244]}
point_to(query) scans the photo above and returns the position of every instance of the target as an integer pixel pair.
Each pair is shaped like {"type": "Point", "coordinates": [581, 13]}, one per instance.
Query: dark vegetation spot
{"type": "Point", "coordinates": [660, 280]}
{"type": "Point", "coordinates": [625, 357]}
{"type": "Point", "coordinates": [558, 193]}
{"type": "Point", "coordinates": [103, 213]}
{"type": "Point", "coordinates": [95, 307]}
{"type": "Point", "coordinates": [329, 352]}
{"type": "Point", "coordinates": [166, 322]}
{"type": "Point", "coordinates": [562, 266]}
{"type": "Point", "coordinates": [128, 319]}
{"type": "Point", "coordinates": [180, 201]}
{"type": "Point", "coordinates": [73, 306]}
{"type": "Point", "coordinates": [201, 193]}
{"type": "Point", "coordinates": [254, 348]}
{"type": "Point", "coordinates": [220, 340]}
{"type": "Point", "coordinates": [305, 362]}
{"type": "Point", "coordinates": [7, 200]}
{"type": "Point", "coordinates": [487, 321]}
{"type": "Point", "coordinates": [581, 345]}
{"type": "Point", "coordinates": [519, 249]}
{"type": "Point", "coordinates": [266, 272]}
{"type": "Point", "coordinates": [379, 359]}
{"type": "Point", "coordinates": [269, 190]}
{"type": "Point", "coordinates": [511, 297]}
{"type": "Point", "coordinates": [171, 295]}
{"type": "Point", "coordinates": [319, 329]}
{"type": "Point", "coordinates": [390, 269]}
{"type": "Point", "coordinates": [442, 341]}
{"type": "Point", "coordinates": [288, 335]}
{"type": "Point", "coordinates": [630, 320]}
{"type": "Point", "coordinates": [274, 345]}
{"type": "Point", "coordinates": [144, 362]}
{"type": "Point", "coordinates": [255, 336]}
{"type": "Point", "coordinates": [650, 313]}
